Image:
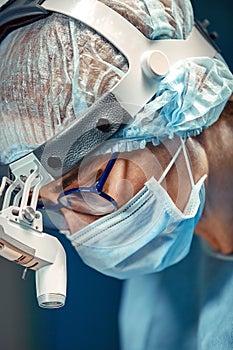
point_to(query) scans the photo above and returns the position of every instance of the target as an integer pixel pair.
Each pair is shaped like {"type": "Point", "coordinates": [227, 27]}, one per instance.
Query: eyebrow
{"type": "Point", "coordinates": [67, 181]}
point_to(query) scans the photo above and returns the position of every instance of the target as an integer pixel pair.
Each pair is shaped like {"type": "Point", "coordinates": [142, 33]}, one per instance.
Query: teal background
{"type": "Point", "coordinates": [89, 319]}
{"type": "Point", "coordinates": [220, 16]}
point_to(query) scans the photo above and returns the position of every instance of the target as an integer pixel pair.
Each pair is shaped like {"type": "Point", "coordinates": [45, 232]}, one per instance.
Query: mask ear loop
{"type": "Point", "coordinates": [168, 168]}
{"type": "Point", "coordinates": [187, 162]}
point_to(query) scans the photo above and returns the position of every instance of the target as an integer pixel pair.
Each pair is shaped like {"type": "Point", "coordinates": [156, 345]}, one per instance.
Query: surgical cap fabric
{"type": "Point", "coordinates": [46, 84]}
{"type": "Point", "coordinates": [190, 98]}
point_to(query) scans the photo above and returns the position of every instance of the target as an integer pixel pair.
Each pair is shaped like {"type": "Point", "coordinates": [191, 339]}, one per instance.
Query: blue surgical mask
{"type": "Point", "coordinates": [147, 234]}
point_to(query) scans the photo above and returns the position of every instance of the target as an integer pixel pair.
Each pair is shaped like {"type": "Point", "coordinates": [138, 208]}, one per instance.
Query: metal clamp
{"type": "Point", "coordinates": [20, 199]}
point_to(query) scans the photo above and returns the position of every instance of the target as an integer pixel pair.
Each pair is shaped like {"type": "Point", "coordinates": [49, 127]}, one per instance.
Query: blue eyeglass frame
{"type": "Point", "coordinates": [97, 189]}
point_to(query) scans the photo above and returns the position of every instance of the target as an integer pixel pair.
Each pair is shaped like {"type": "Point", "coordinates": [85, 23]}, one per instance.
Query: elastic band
{"type": "Point", "coordinates": [187, 162]}
{"type": "Point", "coordinates": [168, 168]}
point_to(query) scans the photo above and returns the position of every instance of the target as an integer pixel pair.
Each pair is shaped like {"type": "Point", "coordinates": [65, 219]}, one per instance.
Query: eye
{"type": "Point", "coordinates": [90, 176]}
{"type": "Point", "coordinates": [98, 175]}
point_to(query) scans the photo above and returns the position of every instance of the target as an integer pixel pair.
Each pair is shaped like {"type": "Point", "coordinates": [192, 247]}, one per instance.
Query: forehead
{"type": "Point", "coordinates": [146, 159]}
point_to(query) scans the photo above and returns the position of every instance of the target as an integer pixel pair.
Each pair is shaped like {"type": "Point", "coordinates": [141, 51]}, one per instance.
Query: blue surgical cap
{"type": "Point", "coordinates": [190, 98]}
{"type": "Point", "coordinates": [46, 84]}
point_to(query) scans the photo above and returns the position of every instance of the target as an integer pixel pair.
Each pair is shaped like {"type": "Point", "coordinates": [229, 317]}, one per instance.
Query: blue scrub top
{"type": "Point", "coordinates": [188, 306]}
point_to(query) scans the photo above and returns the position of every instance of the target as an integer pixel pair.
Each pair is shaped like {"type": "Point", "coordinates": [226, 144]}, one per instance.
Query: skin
{"type": "Point", "coordinates": [210, 153]}
{"type": "Point", "coordinates": [216, 222]}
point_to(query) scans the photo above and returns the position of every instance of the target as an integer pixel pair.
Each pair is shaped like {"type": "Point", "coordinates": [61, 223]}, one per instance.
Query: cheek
{"type": "Point", "coordinates": [77, 221]}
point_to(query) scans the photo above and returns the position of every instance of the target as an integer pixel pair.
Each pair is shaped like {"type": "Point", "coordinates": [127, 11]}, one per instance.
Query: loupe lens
{"type": "Point", "coordinates": [88, 203]}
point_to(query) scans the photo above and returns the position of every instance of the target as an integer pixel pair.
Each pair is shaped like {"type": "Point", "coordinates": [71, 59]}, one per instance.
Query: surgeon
{"type": "Point", "coordinates": [163, 178]}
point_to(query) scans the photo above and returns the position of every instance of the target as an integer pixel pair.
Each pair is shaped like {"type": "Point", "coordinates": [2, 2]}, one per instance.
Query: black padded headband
{"type": "Point", "coordinates": [18, 13]}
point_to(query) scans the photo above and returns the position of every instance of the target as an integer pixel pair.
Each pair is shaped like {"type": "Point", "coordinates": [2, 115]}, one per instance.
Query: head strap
{"type": "Point", "coordinates": [18, 13]}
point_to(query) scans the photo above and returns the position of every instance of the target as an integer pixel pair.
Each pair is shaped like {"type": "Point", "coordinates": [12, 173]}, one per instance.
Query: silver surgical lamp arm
{"type": "Point", "coordinates": [21, 236]}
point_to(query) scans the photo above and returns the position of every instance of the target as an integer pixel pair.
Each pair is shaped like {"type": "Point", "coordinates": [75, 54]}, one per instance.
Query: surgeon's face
{"type": "Point", "coordinates": [127, 177]}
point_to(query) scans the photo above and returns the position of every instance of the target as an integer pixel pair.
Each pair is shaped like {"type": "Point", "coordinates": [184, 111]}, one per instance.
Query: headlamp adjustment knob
{"type": "Point", "coordinates": [214, 35]}
{"type": "Point", "coordinates": [156, 64]}
{"type": "Point", "coordinates": [103, 124]}
{"type": "Point", "coordinates": [29, 214]}
{"type": "Point", "coordinates": [54, 162]}
{"type": "Point", "coordinates": [205, 23]}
